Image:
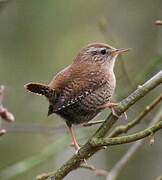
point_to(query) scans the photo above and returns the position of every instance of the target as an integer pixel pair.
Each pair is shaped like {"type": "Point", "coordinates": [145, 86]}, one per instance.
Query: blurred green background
{"type": "Point", "coordinates": [37, 39]}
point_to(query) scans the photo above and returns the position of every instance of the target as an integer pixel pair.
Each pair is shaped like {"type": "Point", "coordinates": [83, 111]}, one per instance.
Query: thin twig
{"type": "Point", "coordinates": [91, 123]}
{"type": "Point", "coordinates": [98, 172]}
{"type": "Point", "coordinates": [98, 142]}
{"type": "Point", "coordinates": [115, 171]}
{"type": "Point", "coordinates": [88, 150]}
{"type": "Point", "coordinates": [4, 113]}
{"type": "Point", "coordinates": [113, 174]}
{"type": "Point", "coordinates": [159, 178]}
{"type": "Point", "coordinates": [124, 128]}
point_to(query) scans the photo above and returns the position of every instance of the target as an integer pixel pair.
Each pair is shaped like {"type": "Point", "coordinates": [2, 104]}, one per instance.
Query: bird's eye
{"type": "Point", "coordinates": [103, 51]}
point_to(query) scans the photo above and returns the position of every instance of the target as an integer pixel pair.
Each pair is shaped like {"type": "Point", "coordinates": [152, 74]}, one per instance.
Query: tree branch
{"type": "Point", "coordinates": [91, 123]}
{"type": "Point", "coordinates": [88, 150]}
{"type": "Point", "coordinates": [98, 172]}
{"type": "Point", "coordinates": [98, 142]}
{"type": "Point", "coordinates": [4, 113]}
{"type": "Point", "coordinates": [124, 128]}
{"type": "Point", "coordinates": [115, 171]}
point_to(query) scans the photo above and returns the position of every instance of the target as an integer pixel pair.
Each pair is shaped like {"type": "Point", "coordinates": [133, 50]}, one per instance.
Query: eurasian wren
{"type": "Point", "coordinates": [79, 92]}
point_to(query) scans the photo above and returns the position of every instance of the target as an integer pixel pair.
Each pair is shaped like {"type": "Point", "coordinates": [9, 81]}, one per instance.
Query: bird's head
{"type": "Point", "coordinates": [100, 53]}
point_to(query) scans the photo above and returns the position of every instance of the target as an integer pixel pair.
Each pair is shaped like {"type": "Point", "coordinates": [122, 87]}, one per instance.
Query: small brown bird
{"type": "Point", "coordinates": [79, 92]}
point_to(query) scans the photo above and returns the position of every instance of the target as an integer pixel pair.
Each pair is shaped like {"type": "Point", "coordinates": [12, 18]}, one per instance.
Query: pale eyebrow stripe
{"type": "Point", "coordinates": [91, 49]}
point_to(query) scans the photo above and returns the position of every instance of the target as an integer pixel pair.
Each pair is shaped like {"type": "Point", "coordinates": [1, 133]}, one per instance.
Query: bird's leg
{"type": "Point", "coordinates": [108, 105]}
{"type": "Point", "coordinates": [74, 141]}
{"type": "Point", "coordinates": [104, 106]}
{"type": "Point", "coordinates": [111, 105]}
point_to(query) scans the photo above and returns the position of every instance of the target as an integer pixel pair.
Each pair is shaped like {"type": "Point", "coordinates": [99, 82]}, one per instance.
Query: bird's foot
{"type": "Point", "coordinates": [76, 146]}
{"type": "Point", "coordinates": [114, 112]}
{"type": "Point", "coordinates": [123, 116]}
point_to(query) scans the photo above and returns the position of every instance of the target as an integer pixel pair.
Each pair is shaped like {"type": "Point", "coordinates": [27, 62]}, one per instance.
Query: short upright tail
{"type": "Point", "coordinates": [40, 89]}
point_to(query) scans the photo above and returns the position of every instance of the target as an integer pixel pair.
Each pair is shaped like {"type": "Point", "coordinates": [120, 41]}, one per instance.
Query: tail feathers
{"type": "Point", "coordinates": [40, 89]}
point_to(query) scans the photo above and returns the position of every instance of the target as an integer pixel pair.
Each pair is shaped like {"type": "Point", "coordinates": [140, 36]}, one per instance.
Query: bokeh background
{"type": "Point", "coordinates": [37, 39]}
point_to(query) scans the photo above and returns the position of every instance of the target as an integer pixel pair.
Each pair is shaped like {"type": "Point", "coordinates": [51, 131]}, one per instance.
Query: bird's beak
{"type": "Point", "coordinates": [120, 51]}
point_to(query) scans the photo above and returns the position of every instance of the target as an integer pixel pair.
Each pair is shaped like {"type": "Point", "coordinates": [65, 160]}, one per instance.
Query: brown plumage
{"type": "Point", "coordinates": [79, 92]}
